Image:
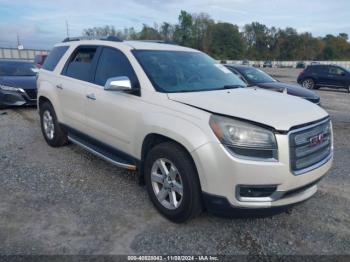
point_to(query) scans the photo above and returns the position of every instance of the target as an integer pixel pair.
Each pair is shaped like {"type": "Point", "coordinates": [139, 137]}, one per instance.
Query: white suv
{"type": "Point", "coordinates": [196, 135]}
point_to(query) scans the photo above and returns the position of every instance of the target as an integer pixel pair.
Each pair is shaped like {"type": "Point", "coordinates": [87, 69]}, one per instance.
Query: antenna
{"type": "Point", "coordinates": [17, 39]}
{"type": "Point", "coordinates": [19, 46]}
{"type": "Point", "coordinates": [67, 29]}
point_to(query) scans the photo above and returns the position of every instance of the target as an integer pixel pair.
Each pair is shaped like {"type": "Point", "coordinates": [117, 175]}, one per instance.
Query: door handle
{"type": "Point", "coordinates": [59, 86]}
{"type": "Point", "coordinates": [91, 96]}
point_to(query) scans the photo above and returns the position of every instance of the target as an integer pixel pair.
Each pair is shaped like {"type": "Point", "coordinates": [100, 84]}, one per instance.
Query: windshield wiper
{"type": "Point", "coordinates": [203, 90]}
{"type": "Point", "coordinates": [230, 87]}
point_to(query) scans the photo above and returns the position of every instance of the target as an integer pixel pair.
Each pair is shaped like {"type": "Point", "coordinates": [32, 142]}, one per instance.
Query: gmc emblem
{"type": "Point", "coordinates": [316, 140]}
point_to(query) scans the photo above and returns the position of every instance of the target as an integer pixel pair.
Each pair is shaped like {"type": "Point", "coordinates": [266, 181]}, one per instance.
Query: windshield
{"type": "Point", "coordinates": [345, 69]}
{"type": "Point", "coordinates": [257, 76]}
{"type": "Point", "coordinates": [8, 68]}
{"type": "Point", "coordinates": [178, 71]}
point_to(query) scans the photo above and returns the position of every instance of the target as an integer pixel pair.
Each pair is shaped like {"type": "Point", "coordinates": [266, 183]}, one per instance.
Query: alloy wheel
{"type": "Point", "coordinates": [48, 125]}
{"type": "Point", "coordinates": [167, 183]}
{"type": "Point", "coordinates": [308, 83]}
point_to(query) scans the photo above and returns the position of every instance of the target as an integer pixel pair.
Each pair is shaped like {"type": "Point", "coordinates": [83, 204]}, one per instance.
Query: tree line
{"type": "Point", "coordinates": [224, 40]}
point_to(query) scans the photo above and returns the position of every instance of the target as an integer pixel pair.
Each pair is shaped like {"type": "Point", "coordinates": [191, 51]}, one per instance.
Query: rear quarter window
{"type": "Point", "coordinates": [54, 57]}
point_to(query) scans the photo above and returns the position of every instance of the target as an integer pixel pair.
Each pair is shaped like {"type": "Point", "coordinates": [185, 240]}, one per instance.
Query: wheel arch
{"type": "Point", "coordinates": [42, 100]}
{"type": "Point", "coordinates": [153, 139]}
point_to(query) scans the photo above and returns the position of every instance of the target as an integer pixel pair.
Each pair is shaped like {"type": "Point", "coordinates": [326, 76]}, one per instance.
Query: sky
{"type": "Point", "coordinates": [41, 23]}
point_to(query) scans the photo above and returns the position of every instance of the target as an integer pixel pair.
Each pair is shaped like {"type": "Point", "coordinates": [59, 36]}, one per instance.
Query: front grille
{"type": "Point", "coordinates": [310, 146]}
{"type": "Point", "coordinates": [31, 93]}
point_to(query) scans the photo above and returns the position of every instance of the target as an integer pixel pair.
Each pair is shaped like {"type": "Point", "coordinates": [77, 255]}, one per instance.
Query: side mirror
{"type": "Point", "coordinates": [343, 74]}
{"type": "Point", "coordinates": [121, 83]}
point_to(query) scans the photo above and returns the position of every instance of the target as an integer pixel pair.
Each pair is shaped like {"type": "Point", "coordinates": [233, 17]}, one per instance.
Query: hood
{"type": "Point", "coordinates": [277, 110]}
{"type": "Point", "coordinates": [292, 89]}
{"type": "Point", "coordinates": [24, 82]}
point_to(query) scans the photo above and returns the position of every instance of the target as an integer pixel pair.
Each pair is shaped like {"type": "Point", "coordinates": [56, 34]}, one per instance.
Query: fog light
{"type": "Point", "coordinates": [256, 191]}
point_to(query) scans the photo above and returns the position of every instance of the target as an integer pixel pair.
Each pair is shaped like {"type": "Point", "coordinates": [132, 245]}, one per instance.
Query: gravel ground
{"type": "Point", "coordinates": [67, 201]}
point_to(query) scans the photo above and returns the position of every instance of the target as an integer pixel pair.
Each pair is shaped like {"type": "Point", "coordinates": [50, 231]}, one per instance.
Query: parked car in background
{"type": "Point", "coordinates": [17, 83]}
{"type": "Point", "coordinates": [267, 64]}
{"type": "Point", "coordinates": [333, 76]}
{"type": "Point", "coordinates": [257, 77]}
{"type": "Point", "coordinates": [257, 64]}
{"type": "Point", "coordinates": [39, 60]}
{"type": "Point", "coordinates": [245, 62]}
{"type": "Point", "coordinates": [185, 124]}
{"type": "Point", "coordinates": [300, 64]}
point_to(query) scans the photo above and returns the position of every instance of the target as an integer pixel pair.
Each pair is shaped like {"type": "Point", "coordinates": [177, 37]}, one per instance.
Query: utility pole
{"type": "Point", "coordinates": [19, 46]}
{"type": "Point", "coordinates": [67, 28]}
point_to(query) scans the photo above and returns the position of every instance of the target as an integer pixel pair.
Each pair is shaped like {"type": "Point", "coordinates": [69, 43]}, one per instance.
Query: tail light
{"type": "Point", "coordinates": [302, 72]}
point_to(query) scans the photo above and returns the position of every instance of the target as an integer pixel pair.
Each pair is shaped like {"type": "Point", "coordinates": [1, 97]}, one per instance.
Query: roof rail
{"type": "Point", "coordinates": [158, 41]}
{"type": "Point", "coordinates": [79, 38]}
{"type": "Point", "coordinates": [112, 38]}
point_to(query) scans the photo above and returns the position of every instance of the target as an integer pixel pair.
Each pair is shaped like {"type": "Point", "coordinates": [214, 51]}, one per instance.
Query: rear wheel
{"type": "Point", "coordinates": [308, 83]}
{"type": "Point", "coordinates": [53, 133]}
{"type": "Point", "coordinates": [172, 182]}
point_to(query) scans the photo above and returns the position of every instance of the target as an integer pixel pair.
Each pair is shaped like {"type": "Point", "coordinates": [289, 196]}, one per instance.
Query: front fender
{"type": "Point", "coordinates": [186, 131]}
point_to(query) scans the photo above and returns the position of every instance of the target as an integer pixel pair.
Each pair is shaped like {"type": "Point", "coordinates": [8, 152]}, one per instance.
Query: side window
{"type": "Point", "coordinates": [54, 57]}
{"type": "Point", "coordinates": [80, 64]}
{"type": "Point", "coordinates": [335, 70]}
{"type": "Point", "coordinates": [114, 63]}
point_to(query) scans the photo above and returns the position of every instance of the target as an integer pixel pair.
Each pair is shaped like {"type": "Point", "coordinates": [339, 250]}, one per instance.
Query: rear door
{"type": "Point", "coordinates": [319, 73]}
{"type": "Point", "coordinates": [76, 75]}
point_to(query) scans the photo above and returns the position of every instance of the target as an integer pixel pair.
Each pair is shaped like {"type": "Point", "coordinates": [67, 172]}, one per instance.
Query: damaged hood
{"type": "Point", "coordinates": [278, 110]}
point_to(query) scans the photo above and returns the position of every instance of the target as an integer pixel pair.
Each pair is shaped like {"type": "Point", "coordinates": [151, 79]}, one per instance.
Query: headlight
{"type": "Point", "coordinates": [9, 88]}
{"type": "Point", "coordinates": [243, 139]}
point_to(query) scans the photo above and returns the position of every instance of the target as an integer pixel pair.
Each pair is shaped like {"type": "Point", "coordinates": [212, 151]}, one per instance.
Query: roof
{"type": "Point", "coordinates": [238, 66]}
{"type": "Point", "coordinates": [138, 45]}
{"type": "Point", "coordinates": [145, 45]}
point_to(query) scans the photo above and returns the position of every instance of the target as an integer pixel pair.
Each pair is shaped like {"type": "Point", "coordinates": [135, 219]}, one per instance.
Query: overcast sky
{"type": "Point", "coordinates": [41, 23]}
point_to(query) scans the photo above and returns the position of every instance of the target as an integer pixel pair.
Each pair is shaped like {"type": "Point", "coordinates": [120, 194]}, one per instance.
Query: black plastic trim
{"type": "Point", "coordinates": [220, 206]}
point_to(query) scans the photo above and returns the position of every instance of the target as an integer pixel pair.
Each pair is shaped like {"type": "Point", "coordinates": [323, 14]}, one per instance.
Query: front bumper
{"type": "Point", "coordinates": [18, 98]}
{"type": "Point", "coordinates": [221, 174]}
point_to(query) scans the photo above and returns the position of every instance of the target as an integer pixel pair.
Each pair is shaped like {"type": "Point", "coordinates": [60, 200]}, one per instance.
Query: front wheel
{"type": "Point", "coordinates": [53, 133]}
{"type": "Point", "coordinates": [172, 182]}
{"type": "Point", "coordinates": [308, 83]}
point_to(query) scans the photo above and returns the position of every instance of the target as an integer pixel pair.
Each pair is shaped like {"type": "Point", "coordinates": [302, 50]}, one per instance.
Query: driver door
{"type": "Point", "coordinates": [112, 116]}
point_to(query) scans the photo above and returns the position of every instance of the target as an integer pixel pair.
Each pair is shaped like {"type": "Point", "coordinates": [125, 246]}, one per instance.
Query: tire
{"type": "Point", "coordinates": [348, 89]}
{"type": "Point", "coordinates": [183, 175]}
{"type": "Point", "coordinates": [308, 83]}
{"type": "Point", "coordinates": [52, 131]}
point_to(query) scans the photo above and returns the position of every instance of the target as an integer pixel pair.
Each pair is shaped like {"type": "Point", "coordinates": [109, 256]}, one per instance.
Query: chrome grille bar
{"type": "Point", "coordinates": [310, 146]}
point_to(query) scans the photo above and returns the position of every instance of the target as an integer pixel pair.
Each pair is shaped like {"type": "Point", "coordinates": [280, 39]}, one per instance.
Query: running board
{"type": "Point", "coordinates": [100, 152]}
